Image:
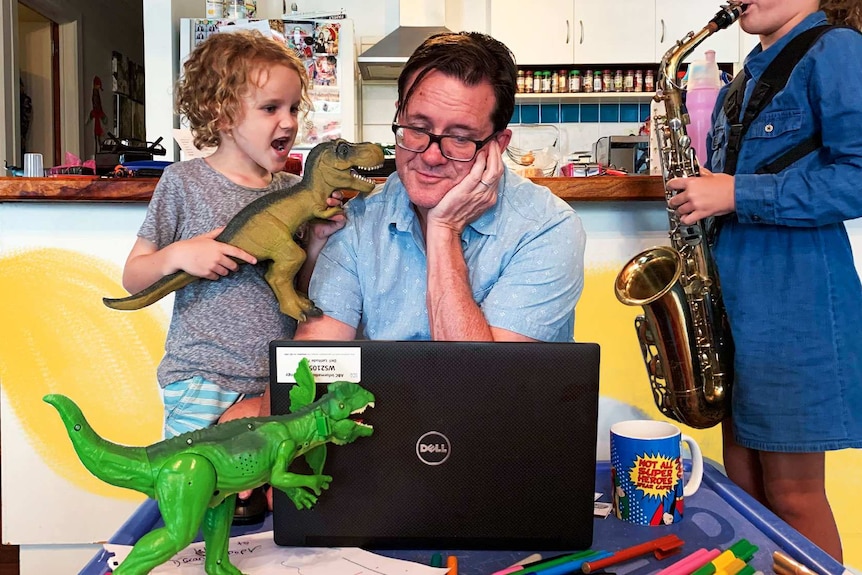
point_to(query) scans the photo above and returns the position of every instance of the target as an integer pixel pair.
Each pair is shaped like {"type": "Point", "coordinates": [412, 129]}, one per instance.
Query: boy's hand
{"type": "Point", "coordinates": [207, 258]}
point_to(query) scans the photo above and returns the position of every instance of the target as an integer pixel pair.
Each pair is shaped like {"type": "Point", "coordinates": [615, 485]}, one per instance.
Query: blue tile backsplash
{"type": "Point", "coordinates": [585, 113]}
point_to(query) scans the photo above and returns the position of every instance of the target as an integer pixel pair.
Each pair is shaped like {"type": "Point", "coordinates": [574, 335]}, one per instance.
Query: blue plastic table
{"type": "Point", "coordinates": [717, 516]}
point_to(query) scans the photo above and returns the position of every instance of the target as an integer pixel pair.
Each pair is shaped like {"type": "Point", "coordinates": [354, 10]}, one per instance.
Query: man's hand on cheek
{"type": "Point", "coordinates": [472, 196]}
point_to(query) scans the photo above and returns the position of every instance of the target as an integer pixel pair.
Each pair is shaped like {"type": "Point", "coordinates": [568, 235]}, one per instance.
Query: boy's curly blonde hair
{"type": "Point", "coordinates": [848, 12]}
{"type": "Point", "coordinates": [217, 75]}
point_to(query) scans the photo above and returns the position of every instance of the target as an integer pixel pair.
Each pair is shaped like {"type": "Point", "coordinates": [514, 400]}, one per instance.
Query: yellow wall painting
{"type": "Point", "coordinates": [57, 337]}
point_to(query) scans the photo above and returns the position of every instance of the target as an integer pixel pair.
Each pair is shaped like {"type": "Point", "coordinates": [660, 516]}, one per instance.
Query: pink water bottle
{"type": "Point", "coordinates": [704, 81]}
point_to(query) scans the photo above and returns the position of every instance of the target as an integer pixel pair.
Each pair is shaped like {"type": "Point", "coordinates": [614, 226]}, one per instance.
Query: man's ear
{"type": "Point", "coordinates": [504, 137]}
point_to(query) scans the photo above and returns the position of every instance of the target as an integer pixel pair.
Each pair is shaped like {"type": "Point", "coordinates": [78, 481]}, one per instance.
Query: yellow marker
{"type": "Point", "coordinates": [734, 566]}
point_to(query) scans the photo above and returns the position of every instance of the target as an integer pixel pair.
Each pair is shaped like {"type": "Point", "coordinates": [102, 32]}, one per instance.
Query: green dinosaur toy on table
{"type": "Point", "coordinates": [265, 228]}
{"type": "Point", "coordinates": [195, 477]}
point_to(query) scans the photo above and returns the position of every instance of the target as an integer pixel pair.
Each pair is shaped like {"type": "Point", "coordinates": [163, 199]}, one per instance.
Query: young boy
{"type": "Point", "coordinates": [243, 94]}
{"type": "Point", "coordinates": [791, 289]}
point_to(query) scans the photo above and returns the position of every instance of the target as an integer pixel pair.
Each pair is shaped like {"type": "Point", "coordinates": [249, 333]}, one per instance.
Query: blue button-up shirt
{"type": "Point", "coordinates": [525, 260]}
{"type": "Point", "coordinates": [786, 268]}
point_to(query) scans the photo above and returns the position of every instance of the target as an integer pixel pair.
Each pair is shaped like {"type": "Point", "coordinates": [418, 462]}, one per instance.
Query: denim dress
{"type": "Point", "coordinates": [786, 268]}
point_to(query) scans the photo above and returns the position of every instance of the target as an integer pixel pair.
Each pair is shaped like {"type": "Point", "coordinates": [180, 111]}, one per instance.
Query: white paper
{"type": "Point", "coordinates": [257, 554]}
{"type": "Point", "coordinates": [186, 141]}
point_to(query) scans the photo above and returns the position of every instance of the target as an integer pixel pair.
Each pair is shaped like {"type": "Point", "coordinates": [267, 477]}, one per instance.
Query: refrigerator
{"type": "Point", "coordinates": [327, 49]}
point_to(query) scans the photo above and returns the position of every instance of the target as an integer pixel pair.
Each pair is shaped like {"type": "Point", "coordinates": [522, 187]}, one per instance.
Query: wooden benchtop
{"type": "Point", "coordinates": [93, 189]}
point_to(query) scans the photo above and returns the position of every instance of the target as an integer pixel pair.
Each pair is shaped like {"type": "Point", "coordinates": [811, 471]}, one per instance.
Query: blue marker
{"type": "Point", "coordinates": [574, 565]}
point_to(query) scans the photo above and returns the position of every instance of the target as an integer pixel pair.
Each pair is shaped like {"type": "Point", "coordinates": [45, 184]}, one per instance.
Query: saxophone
{"type": "Point", "coordinates": [684, 334]}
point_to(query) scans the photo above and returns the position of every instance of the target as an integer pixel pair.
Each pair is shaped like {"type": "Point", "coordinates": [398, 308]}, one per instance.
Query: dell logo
{"type": "Point", "coordinates": [433, 448]}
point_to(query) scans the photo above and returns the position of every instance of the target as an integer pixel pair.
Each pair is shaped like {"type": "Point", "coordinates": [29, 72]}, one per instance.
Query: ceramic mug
{"type": "Point", "coordinates": [647, 471]}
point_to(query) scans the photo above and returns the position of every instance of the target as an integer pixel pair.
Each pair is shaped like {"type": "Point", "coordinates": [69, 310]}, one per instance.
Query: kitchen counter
{"type": "Point", "coordinates": [85, 188]}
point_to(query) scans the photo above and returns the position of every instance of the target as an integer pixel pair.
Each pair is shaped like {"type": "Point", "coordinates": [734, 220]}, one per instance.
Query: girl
{"type": "Point", "coordinates": [792, 293]}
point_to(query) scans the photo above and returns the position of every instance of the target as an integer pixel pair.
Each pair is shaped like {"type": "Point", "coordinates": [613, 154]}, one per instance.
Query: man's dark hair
{"type": "Point", "coordinates": [471, 57]}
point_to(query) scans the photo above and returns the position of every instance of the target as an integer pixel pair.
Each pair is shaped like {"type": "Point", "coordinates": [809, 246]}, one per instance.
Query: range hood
{"type": "Point", "coordinates": [386, 59]}
{"type": "Point", "coordinates": [418, 20]}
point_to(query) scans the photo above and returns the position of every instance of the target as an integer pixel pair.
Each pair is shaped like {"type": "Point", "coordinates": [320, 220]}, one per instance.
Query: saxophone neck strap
{"type": "Point", "coordinates": [772, 81]}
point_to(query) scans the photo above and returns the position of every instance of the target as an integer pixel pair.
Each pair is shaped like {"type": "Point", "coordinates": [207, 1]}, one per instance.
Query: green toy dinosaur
{"type": "Point", "coordinates": [265, 228]}
{"type": "Point", "coordinates": [195, 476]}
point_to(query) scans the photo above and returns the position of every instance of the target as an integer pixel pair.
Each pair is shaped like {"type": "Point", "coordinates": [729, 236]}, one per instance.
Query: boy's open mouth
{"type": "Point", "coordinates": [281, 144]}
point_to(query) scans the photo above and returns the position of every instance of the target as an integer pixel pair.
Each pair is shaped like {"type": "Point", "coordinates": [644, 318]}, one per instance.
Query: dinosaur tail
{"type": "Point", "coordinates": [118, 465]}
{"type": "Point", "coordinates": [152, 294]}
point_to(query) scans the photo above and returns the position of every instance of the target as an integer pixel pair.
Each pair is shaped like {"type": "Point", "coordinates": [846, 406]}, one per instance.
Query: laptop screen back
{"type": "Point", "coordinates": [475, 446]}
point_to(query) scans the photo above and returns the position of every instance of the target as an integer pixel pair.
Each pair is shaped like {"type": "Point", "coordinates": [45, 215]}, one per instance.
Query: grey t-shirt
{"type": "Point", "coordinates": [220, 330]}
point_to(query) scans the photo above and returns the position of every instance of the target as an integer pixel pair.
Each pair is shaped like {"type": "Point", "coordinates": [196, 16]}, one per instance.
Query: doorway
{"type": "Point", "coordinates": [39, 83]}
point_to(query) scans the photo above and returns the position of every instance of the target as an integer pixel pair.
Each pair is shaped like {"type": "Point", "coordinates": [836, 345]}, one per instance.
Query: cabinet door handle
{"type": "Point", "coordinates": [568, 32]}
{"type": "Point", "coordinates": [661, 40]}
{"type": "Point", "coordinates": [581, 22]}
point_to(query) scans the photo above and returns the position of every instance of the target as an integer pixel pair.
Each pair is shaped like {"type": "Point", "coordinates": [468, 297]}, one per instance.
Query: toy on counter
{"type": "Point", "coordinates": [265, 228]}
{"type": "Point", "coordinates": [195, 477]}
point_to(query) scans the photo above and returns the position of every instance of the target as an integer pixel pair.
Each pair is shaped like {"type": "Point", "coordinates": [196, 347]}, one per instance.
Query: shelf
{"type": "Point", "coordinates": [139, 190]}
{"type": "Point", "coordinates": [598, 98]}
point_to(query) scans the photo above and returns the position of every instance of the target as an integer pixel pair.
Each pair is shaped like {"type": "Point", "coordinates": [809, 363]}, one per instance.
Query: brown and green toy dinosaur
{"type": "Point", "coordinates": [195, 477]}
{"type": "Point", "coordinates": [265, 228]}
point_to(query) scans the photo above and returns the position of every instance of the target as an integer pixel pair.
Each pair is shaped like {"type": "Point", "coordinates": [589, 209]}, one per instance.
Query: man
{"type": "Point", "coordinates": [454, 246]}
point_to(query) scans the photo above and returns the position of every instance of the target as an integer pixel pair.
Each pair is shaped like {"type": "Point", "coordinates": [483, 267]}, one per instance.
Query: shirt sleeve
{"type": "Point", "coordinates": [539, 287]}
{"type": "Point", "coordinates": [334, 286]}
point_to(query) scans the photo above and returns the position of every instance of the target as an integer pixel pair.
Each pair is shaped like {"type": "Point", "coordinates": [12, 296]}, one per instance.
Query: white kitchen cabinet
{"type": "Point", "coordinates": [675, 19]}
{"type": "Point", "coordinates": [613, 31]}
{"type": "Point", "coordinates": [540, 33]}
{"type": "Point", "coordinates": [551, 32]}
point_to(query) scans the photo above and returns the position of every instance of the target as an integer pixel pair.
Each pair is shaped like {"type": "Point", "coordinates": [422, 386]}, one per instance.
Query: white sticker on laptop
{"type": "Point", "coordinates": [328, 364]}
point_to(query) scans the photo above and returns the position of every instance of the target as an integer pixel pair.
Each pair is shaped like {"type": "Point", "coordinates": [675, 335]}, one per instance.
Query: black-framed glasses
{"type": "Point", "coordinates": [456, 148]}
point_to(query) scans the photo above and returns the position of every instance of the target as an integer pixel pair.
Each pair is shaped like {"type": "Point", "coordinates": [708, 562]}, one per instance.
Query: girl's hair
{"type": "Point", "coordinates": [847, 12]}
{"type": "Point", "coordinates": [218, 74]}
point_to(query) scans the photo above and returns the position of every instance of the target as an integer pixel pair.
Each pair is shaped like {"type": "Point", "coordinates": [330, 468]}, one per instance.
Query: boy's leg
{"type": "Point", "coordinates": [795, 486]}
{"type": "Point", "coordinates": [194, 403]}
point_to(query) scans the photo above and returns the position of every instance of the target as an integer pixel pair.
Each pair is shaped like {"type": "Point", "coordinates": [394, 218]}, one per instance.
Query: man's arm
{"type": "Point", "coordinates": [452, 313]}
{"type": "Point", "coordinates": [324, 328]}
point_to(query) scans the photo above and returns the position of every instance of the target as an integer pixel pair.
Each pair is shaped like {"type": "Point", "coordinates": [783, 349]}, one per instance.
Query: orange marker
{"type": "Point", "coordinates": [452, 564]}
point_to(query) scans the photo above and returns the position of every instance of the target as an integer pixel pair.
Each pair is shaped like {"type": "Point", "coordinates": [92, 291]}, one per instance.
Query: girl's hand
{"type": "Point", "coordinates": [702, 197]}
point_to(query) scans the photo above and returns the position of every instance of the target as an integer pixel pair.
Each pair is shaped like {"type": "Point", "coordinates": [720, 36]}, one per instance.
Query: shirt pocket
{"type": "Point", "coordinates": [775, 125]}
{"type": "Point", "coordinates": [717, 151]}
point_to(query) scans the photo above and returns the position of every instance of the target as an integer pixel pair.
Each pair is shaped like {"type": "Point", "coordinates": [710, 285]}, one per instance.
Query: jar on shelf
{"type": "Point", "coordinates": [629, 81]}
{"type": "Point", "coordinates": [574, 81]}
{"type": "Point", "coordinates": [607, 81]}
{"type": "Point", "coordinates": [546, 81]}
{"type": "Point", "coordinates": [555, 82]}
{"type": "Point", "coordinates": [587, 81]}
{"type": "Point", "coordinates": [528, 82]}
{"type": "Point", "coordinates": [639, 81]}
{"type": "Point", "coordinates": [520, 82]}
{"type": "Point", "coordinates": [598, 86]}
{"type": "Point", "coordinates": [537, 82]}
{"type": "Point", "coordinates": [562, 81]}
{"type": "Point", "coordinates": [649, 82]}
{"type": "Point", "coordinates": [618, 81]}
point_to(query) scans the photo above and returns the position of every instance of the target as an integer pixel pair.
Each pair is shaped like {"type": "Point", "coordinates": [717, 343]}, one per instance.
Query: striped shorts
{"type": "Point", "coordinates": [195, 403]}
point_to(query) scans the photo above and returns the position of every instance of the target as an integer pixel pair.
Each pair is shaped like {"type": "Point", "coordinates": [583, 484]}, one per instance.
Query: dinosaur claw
{"type": "Point", "coordinates": [314, 311]}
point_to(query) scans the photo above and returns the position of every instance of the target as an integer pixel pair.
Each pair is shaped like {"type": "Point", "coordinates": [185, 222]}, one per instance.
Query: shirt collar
{"type": "Point", "coordinates": [757, 60]}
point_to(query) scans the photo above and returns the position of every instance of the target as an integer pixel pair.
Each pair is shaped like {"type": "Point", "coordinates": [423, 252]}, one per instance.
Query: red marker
{"type": "Point", "coordinates": [662, 548]}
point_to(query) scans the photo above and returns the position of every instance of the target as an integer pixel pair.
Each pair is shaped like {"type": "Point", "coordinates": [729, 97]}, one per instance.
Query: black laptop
{"type": "Point", "coordinates": [475, 446]}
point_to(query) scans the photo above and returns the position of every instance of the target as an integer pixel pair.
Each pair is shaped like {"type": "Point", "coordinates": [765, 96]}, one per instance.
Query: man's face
{"type": "Point", "coordinates": [442, 105]}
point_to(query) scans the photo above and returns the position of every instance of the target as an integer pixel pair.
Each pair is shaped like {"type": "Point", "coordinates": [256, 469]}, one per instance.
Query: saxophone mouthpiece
{"type": "Point", "coordinates": [726, 16]}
